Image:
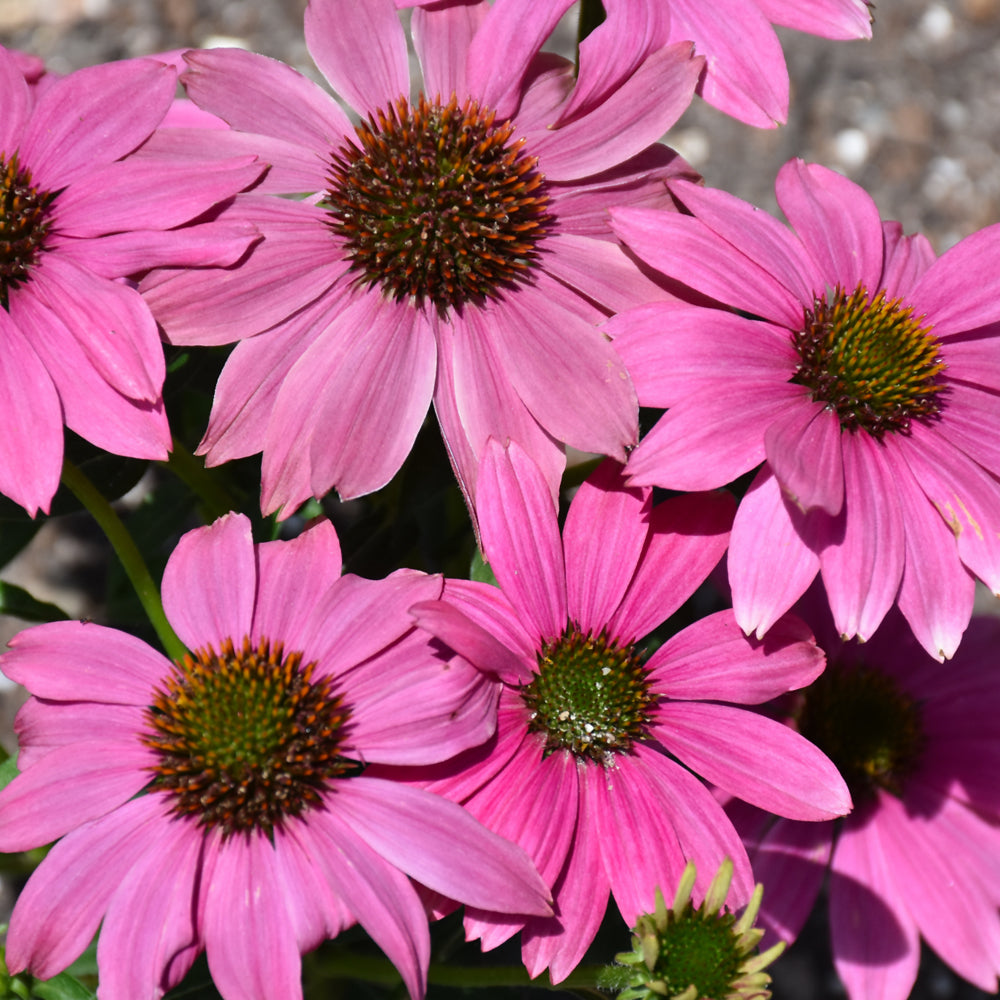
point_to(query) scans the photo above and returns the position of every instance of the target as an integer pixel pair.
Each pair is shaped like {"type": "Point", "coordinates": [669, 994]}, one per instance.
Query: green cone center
{"type": "Point", "coordinates": [867, 725]}
{"type": "Point", "coordinates": [590, 696]}
{"type": "Point", "coordinates": [699, 950]}
{"type": "Point", "coordinates": [23, 225]}
{"type": "Point", "coordinates": [245, 737]}
{"type": "Point", "coordinates": [437, 203]}
{"type": "Point", "coordinates": [871, 361]}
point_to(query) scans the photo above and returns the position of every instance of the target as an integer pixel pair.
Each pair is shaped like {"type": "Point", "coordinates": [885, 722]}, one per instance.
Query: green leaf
{"type": "Point", "coordinates": [8, 771]}
{"type": "Point", "coordinates": [62, 987]}
{"type": "Point", "coordinates": [480, 570]}
{"type": "Point", "coordinates": [18, 602]}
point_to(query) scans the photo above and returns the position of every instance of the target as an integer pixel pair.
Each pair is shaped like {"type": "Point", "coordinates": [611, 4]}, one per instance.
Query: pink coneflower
{"type": "Point", "coordinates": [745, 73]}
{"type": "Point", "coordinates": [868, 383]}
{"type": "Point", "coordinates": [456, 246]}
{"type": "Point", "coordinates": [256, 836]}
{"type": "Point", "coordinates": [77, 214]}
{"type": "Point", "coordinates": [920, 855]}
{"type": "Point", "coordinates": [593, 731]}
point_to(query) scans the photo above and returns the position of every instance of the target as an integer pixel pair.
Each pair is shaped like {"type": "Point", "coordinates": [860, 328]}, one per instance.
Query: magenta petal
{"type": "Point", "coordinates": [80, 661]}
{"type": "Point", "coordinates": [378, 894]}
{"type": "Point", "coordinates": [906, 259]}
{"type": "Point", "coordinates": [256, 94]}
{"type": "Point", "coordinates": [95, 115]}
{"type": "Point", "coordinates": [440, 845]}
{"type": "Point", "coordinates": [248, 939]}
{"type": "Point", "coordinates": [755, 758]}
{"type": "Point", "coordinates": [151, 935]}
{"type": "Point", "coordinates": [770, 562]}
{"type": "Point", "coordinates": [826, 18]}
{"type": "Point", "coordinates": [471, 641]}
{"type": "Point", "coordinates": [687, 536]}
{"type": "Point", "coordinates": [638, 842]}
{"type": "Point", "coordinates": [31, 448]}
{"type": "Point", "coordinates": [629, 119]}
{"type": "Point", "coordinates": [109, 321]}
{"type": "Point", "coordinates": [687, 249]}
{"type": "Point", "coordinates": [603, 537]}
{"type": "Point", "coordinates": [357, 618]}
{"type": "Point", "coordinates": [441, 39]}
{"type": "Point", "coordinates": [68, 787]}
{"type": "Point", "coordinates": [291, 576]}
{"type": "Point", "coordinates": [414, 706]}
{"type": "Point", "coordinates": [713, 660]}
{"type": "Point", "coordinates": [936, 593]}
{"type": "Point", "coordinates": [60, 908]}
{"type": "Point", "coordinates": [521, 538]}
{"type": "Point", "coordinates": [369, 75]}
{"type": "Point", "coordinates": [791, 862]}
{"type": "Point", "coordinates": [836, 220]}
{"type": "Point", "coordinates": [202, 612]}
{"type": "Point", "coordinates": [803, 449]}
{"type": "Point", "coordinates": [861, 572]}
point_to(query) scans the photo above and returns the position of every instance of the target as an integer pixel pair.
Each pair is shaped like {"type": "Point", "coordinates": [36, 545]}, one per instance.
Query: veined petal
{"type": "Point", "coordinates": [15, 102]}
{"type": "Point", "coordinates": [441, 39]}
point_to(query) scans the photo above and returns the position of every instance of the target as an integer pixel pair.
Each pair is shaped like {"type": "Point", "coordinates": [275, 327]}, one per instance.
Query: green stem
{"type": "Point", "coordinates": [128, 554]}
{"type": "Point", "coordinates": [374, 969]}
{"type": "Point", "coordinates": [190, 470]}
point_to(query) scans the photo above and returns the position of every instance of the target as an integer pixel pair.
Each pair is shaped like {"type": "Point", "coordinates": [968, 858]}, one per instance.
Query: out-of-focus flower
{"type": "Point", "coordinates": [745, 73]}
{"type": "Point", "coordinates": [594, 732]}
{"type": "Point", "coordinates": [690, 952]}
{"type": "Point", "coordinates": [919, 746]}
{"type": "Point", "coordinates": [256, 835]}
{"type": "Point", "coordinates": [77, 215]}
{"type": "Point", "coordinates": [859, 368]}
{"type": "Point", "coordinates": [456, 245]}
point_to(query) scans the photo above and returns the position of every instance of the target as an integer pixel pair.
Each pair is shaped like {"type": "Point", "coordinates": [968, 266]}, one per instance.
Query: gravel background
{"type": "Point", "coordinates": [913, 116]}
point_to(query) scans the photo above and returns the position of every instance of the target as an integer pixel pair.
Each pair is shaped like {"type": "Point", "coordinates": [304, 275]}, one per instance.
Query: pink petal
{"type": "Point", "coordinates": [628, 120]}
{"type": "Point", "coordinates": [368, 76]}
{"type": "Point", "coordinates": [862, 570]}
{"type": "Point", "coordinates": [521, 539]}
{"type": "Point", "coordinates": [753, 757]}
{"type": "Point", "coordinates": [713, 660]}
{"type": "Point", "coordinates": [441, 39]}
{"type": "Point", "coordinates": [68, 787]}
{"type": "Point", "coordinates": [440, 845]}
{"type": "Point", "coordinates": [91, 406]}
{"type": "Point", "coordinates": [290, 577]}
{"type": "Point", "coordinates": [803, 450]}
{"type": "Point", "coordinates": [414, 705]}
{"type": "Point", "coordinates": [59, 910]}
{"type": "Point", "coordinates": [876, 947]}
{"type": "Point", "coordinates": [357, 618]}
{"type": "Point", "coordinates": [565, 370]}
{"type": "Point", "coordinates": [474, 401]}
{"type": "Point", "coordinates": [251, 949]}
{"type": "Point", "coordinates": [209, 584]}
{"type": "Point", "coordinates": [836, 220]}
{"type": "Point", "coordinates": [256, 94]}
{"type": "Point", "coordinates": [771, 562]}
{"type": "Point", "coordinates": [710, 439]}
{"type": "Point", "coordinates": [746, 75]}
{"type": "Point", "coordinates": [357, 396]}
{"type": "Point", "coordinates": [687, 536]}
{"type": "Point", "coordinates": [31, 450]}
{"type": "Point", "coordinates": [150, 935]}
{"type": "Point", "coordinates": [603, 538]}
{"type": "Point", "coordinates": [826, 18]}
{"type": "Point", "coordinates": [960, 291]}
{"type": "Point", "coordinates": [15, 102]}
{"type": "Point", "coordinates": [688, 250]}
{"type": "Point", "coordinates": [108, 321]}
{"type": "Point", "coordinates": [377, 893]}
{"type": "Point", "coordinates": [504, 47]}
{"type": "Point", "coordinates": [95, 115]}
{"type": "Point", "coordinates": [80, 661]}
{"type": "Point", "coordinates": [906, 259]}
